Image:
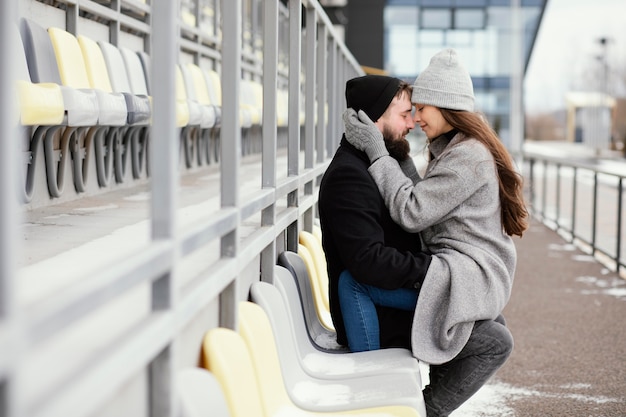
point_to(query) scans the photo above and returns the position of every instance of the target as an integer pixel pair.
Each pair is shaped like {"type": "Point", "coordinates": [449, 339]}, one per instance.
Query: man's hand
{"type": "Point", "coordinates": [363, 134]}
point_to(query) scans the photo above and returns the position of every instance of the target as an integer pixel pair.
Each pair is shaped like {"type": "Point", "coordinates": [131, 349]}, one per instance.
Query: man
{"type": "Point", "coordinates": [357, 231]}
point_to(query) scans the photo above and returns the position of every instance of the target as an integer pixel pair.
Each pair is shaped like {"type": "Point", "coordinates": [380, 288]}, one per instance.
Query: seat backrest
{"type": "Point", "coordinates": [183, 112]}
{"type": "Point", "coordinates": [321, 306]}
{"type": "Point", "coordinates": [95, 64]}
{"type": "Point", "coordinates": [42, 62]}
{"type": "Point", "coordinates": [314, 246]}
{"type": "Point", "coordinates": [226, 355]}
{"type": "Point", "coordinates": [39, 103]}
{"type": "Point", "coordinates": [296, 290]}
{"type": "Point", "coordinates": [215, 86]}
{"type": "Point", "coordinates": [296, 264]}
{"type": "Point", "coordinates": [115, 67]}
{"type": "Point", "coordinates": [289, 328]}
{"type": "Point", "coordinates": [145, 60]}
{"type": "Point", "coordinates": [285, 284]}
{"type": "Point", "coordinates": [134, 69]}
{"type": "Point", "coordinates": [19, 56]}
{"type": "Point", "coordinates": [198, 83]}
{"type": "Point", "coordinates": [256, 331]}
{"type": "Point", "coordinates": [200, 394]}
{"type": "Point", "coordinates": [70, 60]}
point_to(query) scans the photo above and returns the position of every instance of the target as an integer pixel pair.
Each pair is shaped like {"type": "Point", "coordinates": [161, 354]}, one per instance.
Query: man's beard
{"type": "Point", "coordinates": [399, 148]}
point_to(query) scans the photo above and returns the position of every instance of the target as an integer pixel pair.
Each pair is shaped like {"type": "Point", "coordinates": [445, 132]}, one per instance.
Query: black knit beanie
{"type": "Point", "coordinates": [371, 93]}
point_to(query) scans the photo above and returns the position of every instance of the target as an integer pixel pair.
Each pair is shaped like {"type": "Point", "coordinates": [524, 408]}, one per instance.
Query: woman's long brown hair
{"type": "Point", "coordinates": [512, 206]}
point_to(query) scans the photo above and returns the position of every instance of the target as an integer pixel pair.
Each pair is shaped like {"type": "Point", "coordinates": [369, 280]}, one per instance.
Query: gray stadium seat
{"type": "Point", "coordinates": [322, 395]}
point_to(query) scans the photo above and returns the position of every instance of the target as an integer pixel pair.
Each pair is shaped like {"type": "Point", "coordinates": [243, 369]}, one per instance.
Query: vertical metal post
{"type": "Point", "coordinates": [618, 249]}
{"type": "Point", "coordinates": [531, 170]}
{"type": "Point", "coordinates": [333, 108]}
{"type": "Point", "coordinates": [295, 68]}
{"type": "Point", "coordinates": [164, 154]}
{"type": "Point", "coordinates": [309, 88]}
{"type": "Point", "coordinates": [230, 142]}
{"type": "Point", "coordinates": [558, 196]}
{"type": "Point", "coordinates": [594, 212]}
{"type": "Point", "coordinates": [544, 189]}
{"type": "Point", "coordinates": [574, 192]}
{"type": "Point", "coordinates": [10, 246]}
{"type": "Point", "coordinates": [271, 21]}
{"type": "Point", "coordinates": [516, 115]}
{"type": "Point", "coordinates": [322, 46]}
{"type": "Point", "coordinates": [293, 144]}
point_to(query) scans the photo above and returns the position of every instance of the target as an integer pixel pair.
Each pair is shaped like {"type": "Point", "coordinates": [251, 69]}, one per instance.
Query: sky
{"type": "Point", "coordinates": [564, 56]}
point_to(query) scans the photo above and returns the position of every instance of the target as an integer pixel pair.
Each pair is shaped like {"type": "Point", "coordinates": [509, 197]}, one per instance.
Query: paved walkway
{"type": "Point", "coordinates": [568, 316]}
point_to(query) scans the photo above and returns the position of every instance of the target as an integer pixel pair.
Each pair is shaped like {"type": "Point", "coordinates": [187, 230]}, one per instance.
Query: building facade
{"type": "Point", "coordinates": [493, 37]}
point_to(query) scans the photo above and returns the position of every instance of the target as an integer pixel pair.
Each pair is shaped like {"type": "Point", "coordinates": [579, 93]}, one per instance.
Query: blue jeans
{"type": "Point", "coordinates": [358, 308]}
{"type": "Point", "coordinates": [451, 383]}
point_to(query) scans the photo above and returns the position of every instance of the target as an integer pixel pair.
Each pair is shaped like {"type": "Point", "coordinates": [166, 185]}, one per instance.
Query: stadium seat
{"type": "Point", "coordinates": [69, 48]}
{"type": "Point", "coordinates": [183, 112]}
{"type": "Point", "coordinates": [144, 58]}
{"type": "Point", "coordinates": [263, 394]}
{"type": "Point", "coordinates": [139, 110]}
{"type": "Point", "coordinates": [190, 131]}
{"type": "Point", "coordinates": [214, 87]}
{"type": "Point", "coordinates": [391, 360]}
{"type": "Point", "coordinates": [312, 393]}
{"type": "Point", "coordinates": [314, 247]}
{"type": "Point", "coordinates": [225, 355]}
{"type": "Point", "coordinates": [282, 108]}
{"type": "Point", "coordinates": [138, 105]}
{"type": "Point", "coordinates": [200, 394]}
{"type": "Point", "coordinates": [251, 102]}
{"type": "Point", "coordinates": [320, 297]}
{"type": "Point", "coordinates": [320, 333]}
{"type": "Point", "coordinates": [40, 107]}
{"type": "Point", "coordinates": [139, 86]}
{"type": "Point", "coordinates": [81, 108]}
{"type": "Point", "coordinates": [288, 325]}
{"type": "Point", "coordinates": [81, 65]}
{"type": "Point", "coordinates": [197, 90]}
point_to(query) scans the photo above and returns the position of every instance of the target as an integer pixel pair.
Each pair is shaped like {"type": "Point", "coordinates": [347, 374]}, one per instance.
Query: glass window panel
{"type": "Point", "coordinates": [431, 37]}
{"type": "Point", "coordinates": [404, 15]}
{"type": "Point", "coordinates": [458, 38]}
{"type": "Point", "coordinates": [436, 18]}
{"type": "Point", "coordinates": [471, 3]}
{"type": "Point", "coordinates": [402, 52]}
{"type": "Point", "coordinates": [436, 3]}
{"type": "Point", "coordinates": [499, 17]}
{"type": "Point", "coordinates": [469, 18]}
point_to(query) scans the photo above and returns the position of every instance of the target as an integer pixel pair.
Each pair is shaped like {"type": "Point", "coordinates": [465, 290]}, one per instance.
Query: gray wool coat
{"type": "Point", "coordinates": [456, 209]}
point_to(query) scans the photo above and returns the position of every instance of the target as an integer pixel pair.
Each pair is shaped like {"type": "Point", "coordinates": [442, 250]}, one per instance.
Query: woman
{"type": "Point", "coordinates": [466, 208]}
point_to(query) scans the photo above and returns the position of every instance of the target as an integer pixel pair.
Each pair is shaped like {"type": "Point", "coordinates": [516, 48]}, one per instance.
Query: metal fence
{"type": "Point", "coordinates": [109, 341]}
{"type": "Point", "coordinates": [581, 201]}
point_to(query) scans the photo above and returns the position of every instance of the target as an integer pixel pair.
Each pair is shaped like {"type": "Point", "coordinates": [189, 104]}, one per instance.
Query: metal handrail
{"type": "Point", "coordinates": [547, 189]}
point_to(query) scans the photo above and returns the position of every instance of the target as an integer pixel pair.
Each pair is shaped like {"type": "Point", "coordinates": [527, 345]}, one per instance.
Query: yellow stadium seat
{"type": "Point", "coordinates": [321, 307]}
{"type": "Point", "coordinates": [256, 332]}
{"type": "Point", "coordinates": [314, 245]}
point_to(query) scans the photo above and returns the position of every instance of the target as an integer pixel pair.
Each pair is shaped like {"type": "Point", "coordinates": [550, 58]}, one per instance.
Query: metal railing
{"type": "Point", "coordinates": [582, 201]}
{"type": "Point", "coordinates": [178, 278]}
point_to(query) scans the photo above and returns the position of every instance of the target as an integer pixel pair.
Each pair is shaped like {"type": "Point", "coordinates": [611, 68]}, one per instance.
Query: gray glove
{"type": "Point", "coordinates": [363, 134]}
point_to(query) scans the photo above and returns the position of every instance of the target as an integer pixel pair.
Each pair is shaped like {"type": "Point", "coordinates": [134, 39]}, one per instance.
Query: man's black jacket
{"type": "Point", "coordinates": [358, 234]}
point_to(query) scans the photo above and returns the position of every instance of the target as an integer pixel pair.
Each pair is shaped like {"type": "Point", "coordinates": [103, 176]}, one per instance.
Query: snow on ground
{"type": "Point", "coordinates": [491, 400]}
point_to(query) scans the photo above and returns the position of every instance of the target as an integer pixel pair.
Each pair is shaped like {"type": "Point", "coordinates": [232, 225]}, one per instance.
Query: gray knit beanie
{"type": "Point", "coordinates": [445, 83]}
